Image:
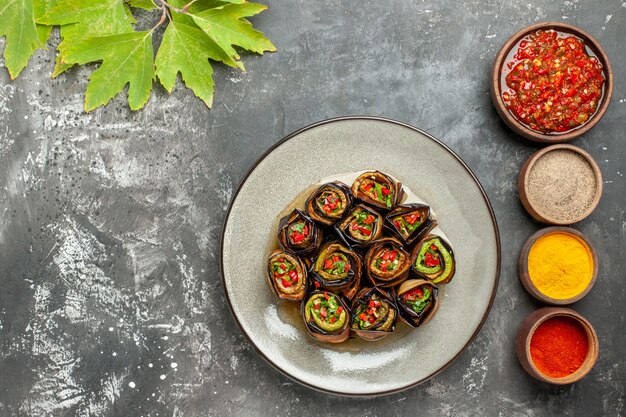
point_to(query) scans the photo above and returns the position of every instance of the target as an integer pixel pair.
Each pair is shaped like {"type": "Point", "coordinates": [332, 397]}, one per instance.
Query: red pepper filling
{"type": "Point", "coordinates": [377, 191]}
{"type": "Point", "coordinates": [406, 224]}
{"type": "Point", "coordinates": [330, 202]}
{"type": "Point", "coordinates": [298, 231]}
{"type": "Point", "coordinates": [414, 294]}
{"type": "Point", "coordinates": [431, 257]}
{"type": "Point", "coordinates": [417, 298]}
{"type": "Point", "coordinates": [363, 222]}
{"type": "Point", "coordinates": [285, 272]}
{"type": "Point", "coordinates": [336, 264]}
{"type": "Point", "coordinates": [327, 308]}
{"type": "Point", "coordinates": [367, 314]}
{"type": "Point", "coordinates": [554, 85]}
{"type": "Point", "coordinates": [387, 259]}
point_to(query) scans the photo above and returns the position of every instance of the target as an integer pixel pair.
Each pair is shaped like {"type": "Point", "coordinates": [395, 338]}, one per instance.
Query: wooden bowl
{"type": "Point", "coordinates": [522, 185]}
{"type": "Point", "coordinates": [526, 331]}
{"type": "Point", "coordinates": [519, 127]}
{"type": "Point", "coordinates": [524, 276]}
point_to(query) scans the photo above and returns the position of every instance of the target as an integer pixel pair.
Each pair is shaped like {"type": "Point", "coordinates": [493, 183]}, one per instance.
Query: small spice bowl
{"type": "Point", "coordinates": [560, 184]}
{"type": "Point", "coordinates": [507, 52]}
{"type": "Point", "coordinates": [527, 331]}
{"type": "Point", "coordinates": [577, 238]}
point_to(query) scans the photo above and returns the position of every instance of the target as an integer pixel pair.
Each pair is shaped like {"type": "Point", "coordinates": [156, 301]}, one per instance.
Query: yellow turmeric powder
{"type": "Point", "coordinates": [560, 265]}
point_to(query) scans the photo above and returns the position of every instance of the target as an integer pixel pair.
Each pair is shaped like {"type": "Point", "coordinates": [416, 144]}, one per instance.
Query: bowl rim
{"type": "Point", "coordinates": [520, 128]}
{"type": "Point", "coordinates": [494, 223]}
{"type": "Point", "coordinates": [524, 174]}
{"type": "Point", "coordinates": [546, 313]}
{"type": "Point", "coordinates": [524, 275]}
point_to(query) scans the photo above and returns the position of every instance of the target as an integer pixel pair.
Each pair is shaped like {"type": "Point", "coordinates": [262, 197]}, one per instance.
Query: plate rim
{"type": "Point", "coordinates": [491, 214]}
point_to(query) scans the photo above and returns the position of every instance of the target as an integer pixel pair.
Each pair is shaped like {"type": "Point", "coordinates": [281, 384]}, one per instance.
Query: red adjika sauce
{"type": "Point", "coordinates": [553, 84]}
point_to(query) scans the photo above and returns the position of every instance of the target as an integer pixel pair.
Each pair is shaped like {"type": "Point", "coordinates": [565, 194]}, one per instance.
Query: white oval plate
{"type": "Point", "coordinates": [432, 171]}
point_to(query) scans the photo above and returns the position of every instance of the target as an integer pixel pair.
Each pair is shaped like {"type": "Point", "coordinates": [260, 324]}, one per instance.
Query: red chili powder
{"type": "Point", "coordinates": [559, 346]}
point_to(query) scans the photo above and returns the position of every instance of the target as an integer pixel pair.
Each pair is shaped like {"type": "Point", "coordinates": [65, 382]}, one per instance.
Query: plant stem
{"type": "Point", "coordinates": [186, 6]}
{"type": "Point", "coordinates": [163, 15]}
{"type": "Point", "coordinates": [164, 3]}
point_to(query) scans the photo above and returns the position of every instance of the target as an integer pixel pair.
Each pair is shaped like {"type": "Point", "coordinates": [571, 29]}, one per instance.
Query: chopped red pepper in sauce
{"type": "Point", "coordinates": [414, 294]}
{"type": "Point", "coordinates": [417, 298]}
{"type": "Point", "coordinates": [285, 272]}
{"type": "Point", "coordinates": [363, 222]}
{"type": "Point", "coordinates": [377, 191]}
{"type": "Point", "coordinates": [298, 231]}
{"type": "Point", "coordinates": [407, 223]}
{"type": "Point", "coordinates": [553, 85]}
{"type": "Point", "coordinates": [412, 218]}
{"type": "Point", "coordinates": [431, 260]}
{"type": "Point", "coordinates": [368, 312]}
{"type": "Point", "coordinates": [386, 260]}
{"type": "Point", "coordinates": [364, 230]}
{"type": "Point", "coordinates": [330, 202]}
{"type": "Point", "coordinates": [336, 264]}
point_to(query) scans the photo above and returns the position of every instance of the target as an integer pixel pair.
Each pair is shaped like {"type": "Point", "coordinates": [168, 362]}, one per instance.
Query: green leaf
{"type": "Point", "coordinates": [80, 19]}
{"type": "Point", "coordinates": [198, 6]}
{"type": "Point", "coordinates": [59, 66]}
{"type": "Point", "coordinates": [187, 50]}
{"type": "Point", "coordinates": [211, 3]}
{"type": "Point", "coordinates": [101, 15]}
{"type": "Point", "coordinates": [227, 27]}
{"type": "Point", "coordinates": [102, 31]}
{"type": "Point", "coordinates": [17, 24]}
{"type": "Point", "coordinates": [40, 7]}
{"type": "Point", "coordinates": [201, 5]}
{"type": "Point", "coordinates": [143, 4]}
{"type": "Point", "coordinates": [126, 58]}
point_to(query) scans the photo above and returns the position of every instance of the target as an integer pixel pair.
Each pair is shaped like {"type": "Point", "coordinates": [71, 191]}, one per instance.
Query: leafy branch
{"type": "Point", "coordinates": [196, 33]}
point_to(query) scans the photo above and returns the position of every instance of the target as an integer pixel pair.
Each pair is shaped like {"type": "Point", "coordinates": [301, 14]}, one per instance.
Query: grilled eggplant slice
{"type": "Point", "coordinates": [329, 203]}
{"type": "Point", "coordinates": [386, 263]}
{"type": "Point", "coordinates": [336, 268]}
{"type": "Point", "coordinates": [410, 222]}
{"type": "Point", "coordinates": [286, 275]}
{"type": "Point", "coordinates": [374, 314]}
{"type": "Point", "coordinates": [326, 317]}
{"type": "Point", "coordinates": [417, 301]}
{"type": "Point", "coordinates": [433, 259]}
{"type": "Point", "coordinates": [378, 189]}
{"type": "Point", "coordinates": [298, 233]}
{"type": "Point", "coordinates": [360, 227]}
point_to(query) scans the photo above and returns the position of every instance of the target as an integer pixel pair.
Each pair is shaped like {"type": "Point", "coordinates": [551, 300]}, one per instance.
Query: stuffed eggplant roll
{"type": "Point", "coordinates": [360, 227]}
{"type": "Point", "coordinates": [297, 233]}
{"type": "Point", "coordinates": [374, 314]}
{"type": "Point", "coordinates": [329, 203]}
{"type": "Point", "coordinates": [326, 317]}
{"type": "Point", "coordinates": [378, 189]}
{"type": "Point", "coordinates": [287, 275]}
{"type": "Point", "coordinates": [336, 268]}
{"type": "Point", "coordinates": [387, 263]}
{"type": "Point", "coordinates": [417, 301]}
{"type": "Point", "coordinates": [433, 259]}
{"type": "Point", "coordinates": [410, 222]}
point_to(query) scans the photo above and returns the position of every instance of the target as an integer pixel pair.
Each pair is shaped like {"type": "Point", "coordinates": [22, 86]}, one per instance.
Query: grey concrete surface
{"type": "Point", "coordinates": [110, 299]}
